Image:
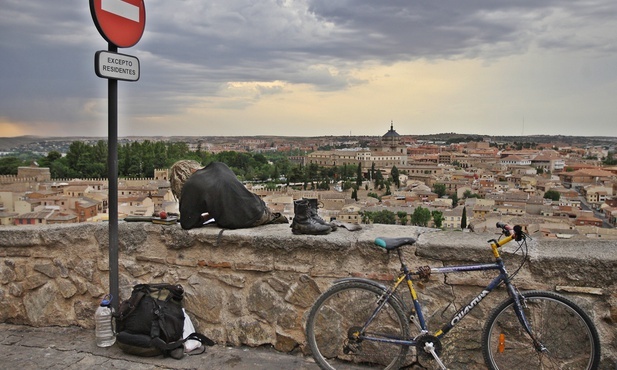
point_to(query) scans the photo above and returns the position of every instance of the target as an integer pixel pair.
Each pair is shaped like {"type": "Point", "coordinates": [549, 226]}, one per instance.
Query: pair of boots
{"type": "Point", "coordinates": [307, 221]}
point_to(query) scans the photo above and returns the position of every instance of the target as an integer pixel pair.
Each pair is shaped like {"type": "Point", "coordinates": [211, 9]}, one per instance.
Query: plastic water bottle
{"type": "Point", "coordinates": [104, 332]}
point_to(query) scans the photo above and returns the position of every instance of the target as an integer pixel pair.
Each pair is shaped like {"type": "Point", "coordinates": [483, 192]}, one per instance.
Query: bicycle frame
{"type": "Point", "coordinates": [406, 275]}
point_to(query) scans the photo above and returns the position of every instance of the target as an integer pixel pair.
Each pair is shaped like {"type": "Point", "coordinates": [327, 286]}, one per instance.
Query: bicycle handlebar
{"type": "Point", "coordinates": [516, 231]}
{"type": "Point", "coordinates": [501, 225]}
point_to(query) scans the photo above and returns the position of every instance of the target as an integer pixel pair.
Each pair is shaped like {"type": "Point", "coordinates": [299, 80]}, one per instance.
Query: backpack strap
{"type": "Point", "coordinates": [141, 290]}
{"type": "Point", "coordinates": [176, 292]}
{"type": "Point", "coordinates": [160, 344]}
{"type": "Point", "coordinates": [201, 338]}
{"type": "Point", "coordinates": [157, 326]}
{"type": "Point", "coordinates": [127, 307]}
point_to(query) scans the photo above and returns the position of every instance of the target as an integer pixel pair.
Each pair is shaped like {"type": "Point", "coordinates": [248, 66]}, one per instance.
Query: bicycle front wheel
{"type": "Point", "coordinates": [567, 334]}
{"type": "Point", "coordinates": [334, 328]}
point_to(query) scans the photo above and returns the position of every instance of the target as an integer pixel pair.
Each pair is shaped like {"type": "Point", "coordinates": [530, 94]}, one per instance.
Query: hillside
{"type": "Point", "coordinates": [27, 143]}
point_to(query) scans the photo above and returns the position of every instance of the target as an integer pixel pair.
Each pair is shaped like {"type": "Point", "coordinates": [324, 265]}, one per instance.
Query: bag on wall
{"type": "Point", "coordinates": [151, 322]}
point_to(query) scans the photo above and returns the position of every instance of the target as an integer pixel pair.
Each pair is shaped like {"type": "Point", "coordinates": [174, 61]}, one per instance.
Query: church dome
{"type": "Point", "coordinates": [391, 133]}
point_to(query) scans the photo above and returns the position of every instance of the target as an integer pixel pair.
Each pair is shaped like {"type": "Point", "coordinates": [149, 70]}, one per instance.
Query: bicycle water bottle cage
{"type": "Point", "coordinates": [393, 243]}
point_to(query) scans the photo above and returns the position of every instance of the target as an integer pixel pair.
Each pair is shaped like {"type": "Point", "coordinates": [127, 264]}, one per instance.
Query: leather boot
{"type": "Point", "coordinates": [315, 215]}
{"type": "Point", "coordinates": [303, 223]}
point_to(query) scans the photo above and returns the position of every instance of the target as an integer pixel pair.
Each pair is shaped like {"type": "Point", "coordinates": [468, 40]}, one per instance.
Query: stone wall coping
{"type": "Point", "coordinates": [431, 243]}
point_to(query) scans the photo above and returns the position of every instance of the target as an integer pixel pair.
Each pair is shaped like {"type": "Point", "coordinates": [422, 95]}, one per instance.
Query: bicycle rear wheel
{"type": "Point", "coordinates": [564, 329]}
{"type": "Point", "coordinates": [342, 311]}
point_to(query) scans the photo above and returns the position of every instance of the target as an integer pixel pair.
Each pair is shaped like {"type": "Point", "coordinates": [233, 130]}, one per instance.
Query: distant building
{"type": "Point", "coordinates": [587, 219]}
{"type": "Point", "coordinates": [351, 214]}
{"type": "Point", "coordinates": [40, 174]}
{"type": "Point", "coordinates": [584, 177]}
{"type": "Point", "coordinates": [452, 218]}
{"type": "Point", "coordinates": [390, 142]}
{"type": "Point", "coordinates": [388, 152]}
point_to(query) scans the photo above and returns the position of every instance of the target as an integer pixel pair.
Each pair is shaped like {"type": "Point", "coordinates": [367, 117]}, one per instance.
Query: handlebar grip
{"type": "Point", "coordinates": [507, 229]}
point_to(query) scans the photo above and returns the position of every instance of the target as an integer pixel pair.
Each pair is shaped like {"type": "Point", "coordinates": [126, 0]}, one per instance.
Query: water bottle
{"type": "Point", "coordinates": [104, 331]}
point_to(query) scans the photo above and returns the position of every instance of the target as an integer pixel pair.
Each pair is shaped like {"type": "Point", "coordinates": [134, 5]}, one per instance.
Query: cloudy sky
{"type": "Point", "coordinates": [318, 67]}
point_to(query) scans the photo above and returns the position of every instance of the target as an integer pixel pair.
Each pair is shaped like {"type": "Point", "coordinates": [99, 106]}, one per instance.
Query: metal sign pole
{"type": "Point", "coordinates": [112, 164]}
{"type": "Point", "coordinates": [122, 24]}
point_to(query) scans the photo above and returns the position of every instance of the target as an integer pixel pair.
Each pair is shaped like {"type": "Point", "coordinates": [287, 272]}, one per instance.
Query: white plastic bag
{"type": "Point", "coordinates": [189, 329]}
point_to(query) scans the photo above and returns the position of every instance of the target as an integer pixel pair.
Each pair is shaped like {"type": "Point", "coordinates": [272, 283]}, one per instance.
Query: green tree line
{"type": "Point", "coordinates": [140, 159]}
{"type": "Point", "coordinates": [420, 217]}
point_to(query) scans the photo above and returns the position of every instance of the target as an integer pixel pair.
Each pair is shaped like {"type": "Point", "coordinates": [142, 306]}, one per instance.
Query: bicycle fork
{"type": "Point", "coordinates": [519, 307]}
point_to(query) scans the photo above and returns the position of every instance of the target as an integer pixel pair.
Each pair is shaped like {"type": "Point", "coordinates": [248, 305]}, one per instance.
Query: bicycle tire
{"type": "Point", "coordinates": [348, 305]}
{"type": "Point", "coordinates": [567, 332]}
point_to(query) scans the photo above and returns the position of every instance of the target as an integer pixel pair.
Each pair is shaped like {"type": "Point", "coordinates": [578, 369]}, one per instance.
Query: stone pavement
{"type": "Point", "coordinates": [30, 348]}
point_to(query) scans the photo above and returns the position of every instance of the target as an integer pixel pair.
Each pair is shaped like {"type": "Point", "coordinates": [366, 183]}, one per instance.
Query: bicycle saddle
{"type": "Point", "coordinates": [393, 243]}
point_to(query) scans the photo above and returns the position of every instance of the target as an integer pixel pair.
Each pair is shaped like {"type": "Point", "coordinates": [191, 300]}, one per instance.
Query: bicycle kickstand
{"type": "Point", "coordinates": [430, 348]}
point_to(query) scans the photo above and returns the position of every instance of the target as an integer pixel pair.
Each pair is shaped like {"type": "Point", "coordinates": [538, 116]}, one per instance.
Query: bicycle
{"type": "Point", "coordinates": [362, 322]}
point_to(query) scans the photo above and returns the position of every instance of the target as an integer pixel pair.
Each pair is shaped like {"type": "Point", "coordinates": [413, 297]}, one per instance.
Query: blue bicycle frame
{"type": "Point", "coordinates": [406, 275]}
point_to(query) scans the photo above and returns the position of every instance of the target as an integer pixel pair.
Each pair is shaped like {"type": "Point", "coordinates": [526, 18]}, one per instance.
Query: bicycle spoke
{"type": "Point", "coordinates": [567, 338]}
{"type": "Point", "coordinates": [335, 323]}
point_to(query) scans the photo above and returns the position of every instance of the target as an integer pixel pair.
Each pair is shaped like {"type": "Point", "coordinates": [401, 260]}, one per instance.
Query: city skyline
{"type": "Point", "coordinates": [313, 68]}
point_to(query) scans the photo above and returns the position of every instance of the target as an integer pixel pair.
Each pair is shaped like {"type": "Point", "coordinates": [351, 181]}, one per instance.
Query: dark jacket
{"type": "Point", "coordinates": [216, 189]}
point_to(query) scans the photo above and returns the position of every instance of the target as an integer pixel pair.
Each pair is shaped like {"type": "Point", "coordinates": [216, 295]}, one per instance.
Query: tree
{"type": "Point", "coordinates": [347, 185]}
{"type": "Point", "coordinates": [464, 218]}
{"type": "Point", "coordinates": [275, 174]}
{"type": "Point", "coordinates": [439, 189]}
{"type": "Point", "coordinates": [388, 192]}
{"type": "Point", "coordinates": [610, 159]}
{"type": "Point", "coordinates": [49, 159]}
{"type": "Point", "coordinates": [373, 195]}
{"type": "Point", "coordinates": [9, 165]}
{"type": "Point", "coordinates": [354, 194]}
{"type": "Point", "coordinates": [372, 174]}
{"type": "Point", "coordinates": [469, 194]}
{"type": "Point", "coordinates": [552, 195]}
{"type": "Point", "coordinates": [296, 174]}
{"type": "Point", "coordinates": [402, 216]}
{"type": "Point", "coordinates": [384, 217]}
{"type": "Point", "coordinates": [421, 216]}
{"type": "Point", "coordinates": [379, 180]}
{"type": "Point", "coordinates": [378, 176]}
{"type": "Point", "coordinates": [311, 171]}
{"type": "Point", "coordinates": [359, 175]}
{"type": "Point", "coordinates": [395, 177]}
{"type": "Point", "coordinates": [454, 198]}
{"type": "Point", "coordinates": [60, 169]}
{"type": "Point", "coordinates": [324, 185]}
{"type": "Point", "coordinates": [437, 218]}
{"type": "Point", "coordinates": [84, 160]}
{"type": "Point", "coordinates": [367, 216]}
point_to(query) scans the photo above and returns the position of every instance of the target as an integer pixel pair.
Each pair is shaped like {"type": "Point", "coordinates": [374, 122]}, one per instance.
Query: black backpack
{"type": "Point", "coordinates": [151, 322]}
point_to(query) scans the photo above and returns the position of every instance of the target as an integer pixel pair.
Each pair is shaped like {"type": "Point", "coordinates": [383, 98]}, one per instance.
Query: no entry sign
{"type": "Point", "coordinates": [120, 22]}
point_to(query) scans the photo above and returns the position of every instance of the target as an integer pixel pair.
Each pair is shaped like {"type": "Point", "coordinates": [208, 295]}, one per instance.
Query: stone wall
{"type": "Point", "coordinates": [254, 286]}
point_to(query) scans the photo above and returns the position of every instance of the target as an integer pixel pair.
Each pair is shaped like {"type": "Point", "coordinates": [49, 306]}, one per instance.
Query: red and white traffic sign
{"type": "Point", "coordinates": [120, 22]}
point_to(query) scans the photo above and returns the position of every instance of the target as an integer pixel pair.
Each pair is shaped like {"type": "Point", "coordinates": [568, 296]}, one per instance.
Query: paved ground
{"type": "Point", "coordinates": [28, 348]}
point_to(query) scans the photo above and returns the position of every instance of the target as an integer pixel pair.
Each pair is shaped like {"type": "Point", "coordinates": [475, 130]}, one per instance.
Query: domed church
{"type": "Point", "coordinates": [390, 142]}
